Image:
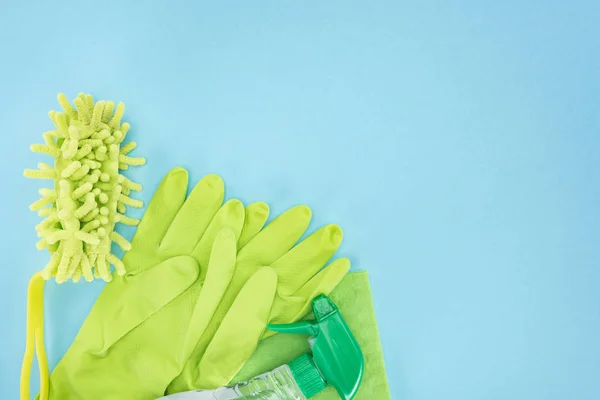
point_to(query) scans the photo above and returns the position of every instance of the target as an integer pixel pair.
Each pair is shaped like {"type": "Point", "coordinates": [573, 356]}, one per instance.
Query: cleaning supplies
{"type": "Point", "coordinates": [145, 324]}
{"type": "Point", "coordinates": [354, 299]}
{"type": "Point", "coordinates": [336, 360]}
{"type": "Point", "coordinates": [89, 197]}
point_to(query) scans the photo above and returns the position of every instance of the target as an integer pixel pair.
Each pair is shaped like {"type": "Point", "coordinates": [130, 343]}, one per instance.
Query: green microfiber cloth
{"type": "Point", "coordinates": [353, 298]}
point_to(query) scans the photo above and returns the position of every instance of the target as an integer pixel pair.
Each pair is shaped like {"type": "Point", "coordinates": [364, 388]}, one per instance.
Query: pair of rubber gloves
{"type": "Point", "coordinates": [203, 280]}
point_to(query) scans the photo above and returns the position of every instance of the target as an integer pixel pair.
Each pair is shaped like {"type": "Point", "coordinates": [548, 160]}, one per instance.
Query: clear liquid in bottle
{"type": "Point", "coordinates": [278, 384]}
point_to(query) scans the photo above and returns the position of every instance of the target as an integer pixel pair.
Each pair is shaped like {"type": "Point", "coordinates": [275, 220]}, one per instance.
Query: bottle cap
{"type": "Point", "coordinates": [307, 376]}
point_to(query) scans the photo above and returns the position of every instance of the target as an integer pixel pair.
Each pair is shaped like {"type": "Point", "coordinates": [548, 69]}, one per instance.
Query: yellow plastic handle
{"type": "Point", "coordinates": [35, 338]}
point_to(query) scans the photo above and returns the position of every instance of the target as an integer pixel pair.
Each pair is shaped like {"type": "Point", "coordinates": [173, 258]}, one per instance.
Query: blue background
{"type": "Point", "coordinates": [456, 142]}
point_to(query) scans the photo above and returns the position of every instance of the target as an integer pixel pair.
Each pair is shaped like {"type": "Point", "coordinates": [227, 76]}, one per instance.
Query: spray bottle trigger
{"type": "Point", "coordinates": [302, 327]}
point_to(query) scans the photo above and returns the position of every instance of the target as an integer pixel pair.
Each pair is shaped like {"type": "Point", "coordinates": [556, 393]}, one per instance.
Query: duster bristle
{"type": "Point", "coordinates": [90, 195]}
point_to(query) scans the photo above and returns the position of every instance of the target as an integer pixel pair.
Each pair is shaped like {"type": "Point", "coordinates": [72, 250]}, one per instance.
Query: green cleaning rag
{"type": "Point", "coordinates": [353, 298]}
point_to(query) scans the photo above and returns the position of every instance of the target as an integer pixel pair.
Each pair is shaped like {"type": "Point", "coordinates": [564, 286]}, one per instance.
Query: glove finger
{"type": "Point", "coordinates": [239, 333]}
{"type": "Point", "coordinates": [288, 309]}
{"type": "Point", "coordinates": [276, 238]}
{"type": "Point", "coordinates": [218, 276]}
{"type": "Point", "coordinates": [162, 209]}
{"type": "Point", "coordinates": [195, 215]}
{"type": "Point", "coordinates": [256, 217]}
{"type": "Point", "coordinates": [231, 216]}
{"type": "Point", "coordinates": [302, 262]}
{"type": "Point", "coordinates": [128, 301]}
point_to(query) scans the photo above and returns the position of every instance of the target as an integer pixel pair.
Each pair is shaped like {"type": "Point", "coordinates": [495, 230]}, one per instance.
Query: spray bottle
{"type": "Point", "coordinates": [336, 360]}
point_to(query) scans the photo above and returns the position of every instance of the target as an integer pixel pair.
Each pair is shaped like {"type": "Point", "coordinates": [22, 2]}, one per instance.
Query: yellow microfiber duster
{"type": "Point", "coordinates": [89, 197]}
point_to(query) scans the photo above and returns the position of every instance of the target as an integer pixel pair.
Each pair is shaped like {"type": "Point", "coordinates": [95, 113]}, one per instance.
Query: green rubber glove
{"type": "Point", "coordinates": [225, 345]}
{"type": "Point", "coordinates": [129, 346]}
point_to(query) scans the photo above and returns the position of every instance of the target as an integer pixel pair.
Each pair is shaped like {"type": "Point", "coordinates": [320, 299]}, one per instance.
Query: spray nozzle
{"type": "Point", "coordinates": [337, 357]}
